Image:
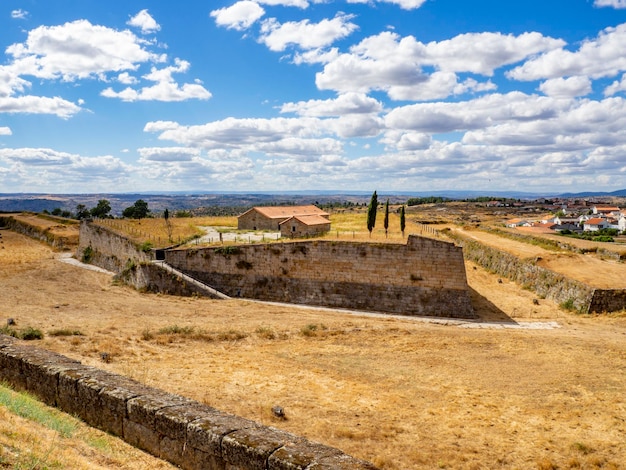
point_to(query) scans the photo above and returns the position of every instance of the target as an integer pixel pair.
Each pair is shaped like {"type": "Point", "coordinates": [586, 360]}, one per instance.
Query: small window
{"type": "Point", "coordinates": [293, 228]}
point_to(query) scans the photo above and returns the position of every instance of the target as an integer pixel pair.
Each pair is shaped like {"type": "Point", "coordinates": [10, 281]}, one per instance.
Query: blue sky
{"type": "Point", "coordinates": [288, 95]}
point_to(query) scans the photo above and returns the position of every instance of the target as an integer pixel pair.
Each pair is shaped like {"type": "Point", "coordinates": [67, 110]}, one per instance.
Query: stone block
{"type": "Point", "coordinates": [171, 424]}
{"type": "Point", "coordinates": [67, 392]}
{"type": "Point", "coordinates": [300, 455]}
{"type": "Point", "coordinates": [206, 434]}
{"type": "Point", "coordinates": [251, 448]}
{"type": "Point", "coordinates": [140, 426]}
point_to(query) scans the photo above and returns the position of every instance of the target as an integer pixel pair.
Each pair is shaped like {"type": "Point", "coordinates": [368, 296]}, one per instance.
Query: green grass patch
{"type": "Point", "coordinates": [24, 405]}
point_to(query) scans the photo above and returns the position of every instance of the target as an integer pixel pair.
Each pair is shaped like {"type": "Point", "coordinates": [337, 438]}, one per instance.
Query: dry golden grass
{"type": "Point", "coordinates": [56, 227]}
{"type": "Point", "coordinates": [397, 391]}
{"type": "Point", "coordinates": [64, 442]}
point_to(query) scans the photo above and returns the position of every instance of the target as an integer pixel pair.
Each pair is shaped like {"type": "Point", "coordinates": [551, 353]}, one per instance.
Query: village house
{"type": "Point", "coordinates": [595, 224]}
{"type": "Point", "coordinates": [304, 226]}
{"type": "Point", "coordinates": [512, 223]}
{"type": "Point", "coordinates": [605, 210]}
{"type": "Point", "coordinates": [307, 220]}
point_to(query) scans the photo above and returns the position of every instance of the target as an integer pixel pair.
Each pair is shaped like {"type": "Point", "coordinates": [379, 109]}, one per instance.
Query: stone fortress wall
{"type": "Point", "coordinates": [545, 282]}
{"type": "Point", "coordinates": [423, 277]}
{"type": "Point", "coordinates": [184, 432]}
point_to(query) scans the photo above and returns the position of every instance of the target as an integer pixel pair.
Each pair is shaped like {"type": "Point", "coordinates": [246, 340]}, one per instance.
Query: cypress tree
{"type": "Point", "coordinates": [371, 213]}
{"type": "Point", "coordinates": [386, 222]}
{"type": "Point", "coordinates": [402, 220]}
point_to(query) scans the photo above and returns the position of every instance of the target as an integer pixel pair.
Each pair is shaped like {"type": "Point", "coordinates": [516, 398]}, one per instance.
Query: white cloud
{"type": "Point", "coordinates": [490, 110]}
{"type": "Point", "coordinates": [304, 34]}
{"type": "Point", "coordinates": [285, 3]}
{"type": "Point", "coordinates": [160, 126]}
{"type": "Point", "coordinates": [616, 87]}
{"type": "Point", "coordinates": [348, 103]}
{"type": "Point", "coordinates": [19, 14]}
{"type": "Point", "coordinates": [5, 131]}
{"type": "Point", "coordinates": [38, 105]}
{"type": "Point", "coordinates": [145, 22]}
{"type": "Point", "coordinates": [78, 50]}
{"type": "Point", "coordinates": [239, 16]}
{"type": "Point", "coordinates": [610, 3]}
{"type": "Point", "coordinates": [566, 87]}
{"type": "Point", "coordinates": [404, 4]}
{"type": "Point", "coordinates": [601, 57]}
{"type": "Point", "coordinates": [356, 125]}
{"type": "Point", "coordinates": [396, 65]}
{"type": "Point", "coordinates": [482, 53]}
{"type": "Point", "coordinates": [165, 89]}
{"type": "Point", "coordinates": [237, 133]}
{"type": "Point", "coordinates": [126, 79]}
{"type": "Point", "coordinates": [51, 170]}
{"type": "Point", "coordinates": [168, 154]}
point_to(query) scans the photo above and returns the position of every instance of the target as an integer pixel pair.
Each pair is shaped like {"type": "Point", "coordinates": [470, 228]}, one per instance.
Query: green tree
{"type": "Point", "coordinates": [402, 220]}
{"type": "Point", "coordinates": [371, 213]}
{"type": "Point", "coordinates": [82, 212]}
{"type": "Point", "coordinates": [386, 221]}
{"type": "Point", "coordinates": [102, 209]}
{"type": "Point", "coordinates": [139, 210]}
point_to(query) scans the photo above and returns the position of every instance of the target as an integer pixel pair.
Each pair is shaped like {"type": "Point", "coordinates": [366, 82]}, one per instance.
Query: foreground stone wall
{"type": "Point", "coordinates": [184, 432]}
{"type": "Point", "coordinates": [423, 277]}
{"type": "Point", "coordinates": [544, 282]}
{"type": "Point", "coordinates": [108, 249]}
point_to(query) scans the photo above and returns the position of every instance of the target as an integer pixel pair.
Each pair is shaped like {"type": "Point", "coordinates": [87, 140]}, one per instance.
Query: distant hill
{"type": "Point", "coordinates": [175, 201]}
{"type": "Point", "coordinates": [618, 193]}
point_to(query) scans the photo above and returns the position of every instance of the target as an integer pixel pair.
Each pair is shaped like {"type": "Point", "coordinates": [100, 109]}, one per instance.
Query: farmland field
{"type": "Point", "coordinates": [511, 391]}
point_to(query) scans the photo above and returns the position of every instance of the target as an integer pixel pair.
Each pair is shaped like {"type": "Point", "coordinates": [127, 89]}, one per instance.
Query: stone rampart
{"type": "Point", "coordinates": [38, 233]}
{"type": "Point", "coordinates": [109, 250]}
{"type": "Point", "coordinates": [544, 282]}
{"type": "Point", "coordinates": [155, 278]}
{"type": "Point", "coordinates": [174, 428]}
{"type": "Point", "coordinates": [423, 277]}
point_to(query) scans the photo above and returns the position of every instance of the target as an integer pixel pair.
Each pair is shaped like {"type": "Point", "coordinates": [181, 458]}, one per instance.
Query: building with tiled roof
{"type": "Point", "coordinates": [304, 226]}
{"type": "Point", "coordinates": [270, 218]}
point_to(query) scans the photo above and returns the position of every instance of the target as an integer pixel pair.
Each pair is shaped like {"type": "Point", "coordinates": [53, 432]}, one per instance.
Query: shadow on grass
{"type": "Point", "coordinates": [487, 311]}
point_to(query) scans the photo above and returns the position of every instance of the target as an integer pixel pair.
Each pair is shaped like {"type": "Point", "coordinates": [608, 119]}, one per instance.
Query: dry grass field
{"type": "Point", "coordinates": [404, 393]}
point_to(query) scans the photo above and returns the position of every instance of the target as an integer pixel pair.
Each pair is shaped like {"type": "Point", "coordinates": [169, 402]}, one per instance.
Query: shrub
{"type": "Point", "coordinates": [87, 254]}
{"type": "Point", "coordinates": [176, 330]}
{"type": "Point", "coordinates": [266, 332]}
{"type": "Point", "coordinates": [146, 247]}
{"type": "Point", "coordinates": [65, 332]}
{"type": "Point", "coordinates": [31, 333]}
{"type": "Point", "coordinates": [231, 335]}
{"type": "Point", "coordinates": [568, 305]}
{"type": "Point", "coordinates": [228, 250]}
{"type": "Point", "coordinates": [27, 334]}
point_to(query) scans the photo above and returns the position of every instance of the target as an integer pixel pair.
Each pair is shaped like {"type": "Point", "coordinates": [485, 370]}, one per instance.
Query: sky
{"type": "Point", "coordinates": [300, 95]}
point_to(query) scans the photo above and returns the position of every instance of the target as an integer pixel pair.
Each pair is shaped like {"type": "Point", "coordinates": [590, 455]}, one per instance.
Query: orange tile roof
{"type": "Point", "coordinates": [309, 219]}
{"type": "Point", "coordinates": [595, 221]}
{"type": "Point", "coordinates": [281, 212]}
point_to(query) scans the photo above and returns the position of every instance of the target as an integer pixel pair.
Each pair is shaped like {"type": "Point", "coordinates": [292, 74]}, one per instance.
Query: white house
{"type": "Point", "coordinates": [596, 224]}
{"type": "Point", "coordinates": [606, 210]}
